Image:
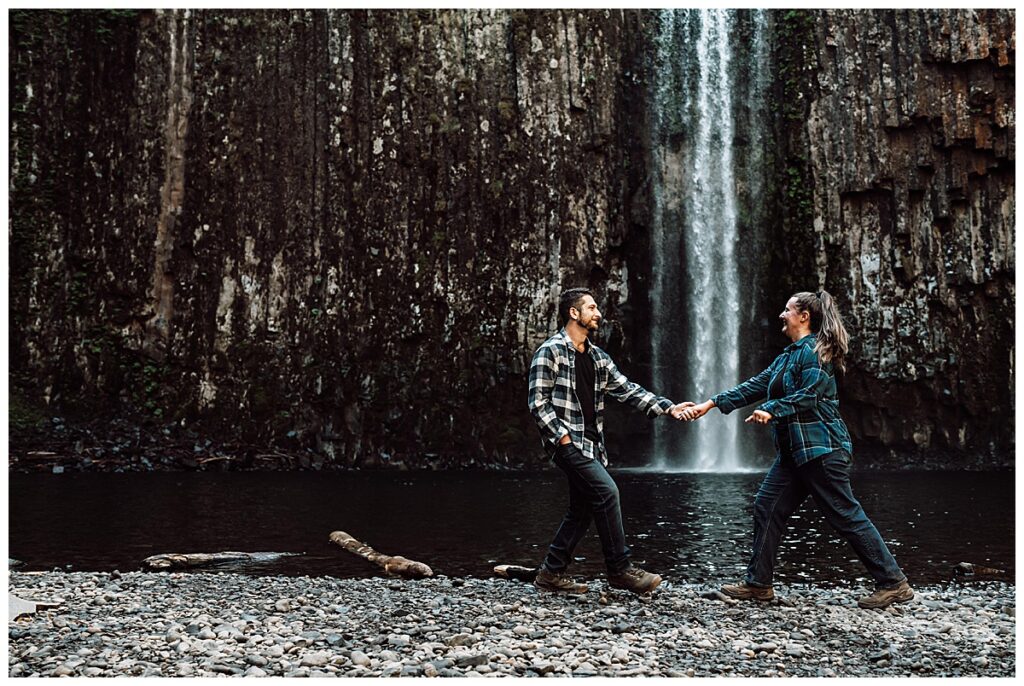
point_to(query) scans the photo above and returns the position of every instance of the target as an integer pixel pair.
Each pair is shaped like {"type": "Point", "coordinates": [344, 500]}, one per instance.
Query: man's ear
{"type": "Point", "coordinates": [571, 310]}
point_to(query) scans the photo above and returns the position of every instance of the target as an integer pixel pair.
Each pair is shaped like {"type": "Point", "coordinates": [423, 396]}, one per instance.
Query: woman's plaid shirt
{"type": "Point", "coordinates": [553, 401]}
{"type": "Point", "coordinates": [809, 412]}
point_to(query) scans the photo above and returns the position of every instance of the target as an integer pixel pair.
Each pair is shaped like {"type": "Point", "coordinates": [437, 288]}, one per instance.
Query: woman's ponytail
{"type": "Point", "coordinates": [833, 341]}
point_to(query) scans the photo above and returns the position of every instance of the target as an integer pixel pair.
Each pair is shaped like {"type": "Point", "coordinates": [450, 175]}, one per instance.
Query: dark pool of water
{"type": "Point", "coordinates": [689, 527]}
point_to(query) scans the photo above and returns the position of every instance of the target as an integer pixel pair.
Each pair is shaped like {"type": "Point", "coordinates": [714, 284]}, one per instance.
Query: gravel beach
{"type": "Point", "coordinates": [151, 624]}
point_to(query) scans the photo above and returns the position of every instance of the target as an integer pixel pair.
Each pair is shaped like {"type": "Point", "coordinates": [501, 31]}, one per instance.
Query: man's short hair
{"type": "Point", "coordinates": [571, 298]}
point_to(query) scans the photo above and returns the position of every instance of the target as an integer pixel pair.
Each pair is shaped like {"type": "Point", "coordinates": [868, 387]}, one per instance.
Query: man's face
{"type": "Point", "coordinates": [587, 315]}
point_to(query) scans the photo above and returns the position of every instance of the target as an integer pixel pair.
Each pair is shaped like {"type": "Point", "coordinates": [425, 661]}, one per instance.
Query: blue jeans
{"type": "Point", "coordinates": [593, 495]}
{"type": "Point", "coordinates": [827, 480]}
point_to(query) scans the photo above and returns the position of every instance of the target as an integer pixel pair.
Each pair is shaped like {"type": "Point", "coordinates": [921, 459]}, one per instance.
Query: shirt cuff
{"type": "Point", "coordinates": [722, 403]}
{"type": "Point", "coordinates": [664, 405]}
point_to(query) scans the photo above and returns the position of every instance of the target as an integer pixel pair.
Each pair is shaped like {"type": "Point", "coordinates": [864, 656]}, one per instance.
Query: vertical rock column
{"type": "Point", "coordinates": [911, 141]}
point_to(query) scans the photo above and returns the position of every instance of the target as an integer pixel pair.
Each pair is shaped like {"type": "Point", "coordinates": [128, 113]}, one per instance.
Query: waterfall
{"type": "Point", "coordinates": [710, 82]}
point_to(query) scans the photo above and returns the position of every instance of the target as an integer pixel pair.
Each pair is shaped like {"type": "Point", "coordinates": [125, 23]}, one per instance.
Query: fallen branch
{"type": "Point", "coordinates": [392, 564]}
{"type": "Point", "coordinates": [516, 572]}
{"type": "Point", "coordinates": [190, 560]}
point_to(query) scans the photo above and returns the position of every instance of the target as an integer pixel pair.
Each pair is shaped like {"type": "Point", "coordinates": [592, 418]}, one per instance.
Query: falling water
{"type": "Point", "coordinates": [706, 78]}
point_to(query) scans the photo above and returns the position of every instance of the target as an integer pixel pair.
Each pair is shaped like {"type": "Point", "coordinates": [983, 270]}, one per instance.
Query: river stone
{"type": "Point", "coordinates": [471, 660]}
{"type": "Point", "coordinates": [542, 667]}
{"type": "Point", "coordinates": [359, 658]}
{"type": "Point", "coordinates": [254, 671]}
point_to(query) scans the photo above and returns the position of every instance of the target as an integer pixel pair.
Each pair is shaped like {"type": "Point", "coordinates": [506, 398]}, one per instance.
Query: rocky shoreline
{"type": "Point", "coordinates": [119, 447]}
{"type": "Point", "coordinates": [151, 624]}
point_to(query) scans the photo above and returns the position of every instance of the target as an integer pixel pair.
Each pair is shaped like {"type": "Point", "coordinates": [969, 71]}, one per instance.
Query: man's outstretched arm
{"type": "Point", "coordinates": [625, 391]}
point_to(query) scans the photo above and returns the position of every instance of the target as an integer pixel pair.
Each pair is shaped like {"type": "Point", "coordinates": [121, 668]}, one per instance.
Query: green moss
{"type": "Point", "coordinates": [451, 125]}
{"type": "Point", "coordinates": [506, 111]}
{"type": "Point", "coordinates": [796, 61]}
{"type": "Point", "coordinates": [23, 414]}
{"type": "Point", "coordinates": [519, 24]}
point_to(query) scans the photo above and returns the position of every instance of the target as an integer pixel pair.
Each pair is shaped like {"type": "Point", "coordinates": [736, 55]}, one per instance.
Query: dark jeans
{"type": "Point", "coordinates": [827, 480]}
{"type": "Point", "coordinates": [593, 495]}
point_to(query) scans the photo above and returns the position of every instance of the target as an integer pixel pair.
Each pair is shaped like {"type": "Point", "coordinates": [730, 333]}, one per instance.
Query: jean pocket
{"type": "Point", "coordinates": [837, 464]}
{"type": "Point", "coordinates": [568, 452]}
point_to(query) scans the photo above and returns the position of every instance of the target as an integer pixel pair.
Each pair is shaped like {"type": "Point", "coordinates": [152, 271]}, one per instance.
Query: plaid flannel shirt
{"type": "Point", "coordinates": [553, 401]}
{"type": "Point", "coordinates": [809, 411]}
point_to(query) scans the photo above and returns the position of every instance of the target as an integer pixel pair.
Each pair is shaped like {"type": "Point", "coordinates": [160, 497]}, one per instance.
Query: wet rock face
{"type": "Point", "coordinates": [345, 231]}
{"type": "Point", "coordinates": [344, 228]}
{"type": "Point", "coordinates": [910, 131]}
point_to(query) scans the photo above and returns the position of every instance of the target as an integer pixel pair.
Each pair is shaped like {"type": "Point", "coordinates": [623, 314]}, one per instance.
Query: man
{"type": "Point", "coordinates": [569, 377]}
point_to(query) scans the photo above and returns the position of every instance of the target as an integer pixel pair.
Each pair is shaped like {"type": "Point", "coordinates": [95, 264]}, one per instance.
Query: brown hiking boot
{"type": "Point", "coordinates": [550, 581]}
{"type": "Point", "coordinates": [742, 591]}
{"type": "Point", "coordinates": [884, 597]}
{"type": "Point", "coordinates": [634, 579]}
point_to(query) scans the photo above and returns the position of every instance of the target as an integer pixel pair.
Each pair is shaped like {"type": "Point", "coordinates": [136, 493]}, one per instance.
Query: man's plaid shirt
{"type": "Point", "coordinates": [809, 412]}
{"type": "Point", "coordinates": [553, 401]}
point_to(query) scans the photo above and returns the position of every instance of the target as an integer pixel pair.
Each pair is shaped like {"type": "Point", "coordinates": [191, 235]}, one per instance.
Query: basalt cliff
{"type": "Point", "coordinates": [336, 237]}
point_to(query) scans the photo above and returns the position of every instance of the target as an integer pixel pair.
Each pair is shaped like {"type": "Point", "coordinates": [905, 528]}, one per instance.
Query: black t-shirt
{"type": "Point", "coordinates": [585, 392]}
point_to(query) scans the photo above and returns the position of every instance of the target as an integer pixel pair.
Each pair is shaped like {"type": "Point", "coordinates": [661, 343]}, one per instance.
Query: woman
{"type": "Point", "coordinates": [798, 398]}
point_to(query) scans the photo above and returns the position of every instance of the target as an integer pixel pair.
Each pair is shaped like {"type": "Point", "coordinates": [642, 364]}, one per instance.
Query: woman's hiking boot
{"type": "Point", "coordinates": [634, 579]}
{"type": "Point", "coordinates": [555, 581]}
{"type": "Point", "coordinates": [884, 597]}
{"type": "Point", "coordinates": [742, 591]}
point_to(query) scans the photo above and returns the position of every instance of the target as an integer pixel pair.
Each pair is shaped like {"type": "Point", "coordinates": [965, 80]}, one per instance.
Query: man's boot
{"type": "Point", "coordinates": [554, 581]}
{"type": "Point", "coordinates": [742, 591]}
{"type": "Point", "coordinates": [634, 579]}
{"type": "Point", "coordinates": [884, 597]}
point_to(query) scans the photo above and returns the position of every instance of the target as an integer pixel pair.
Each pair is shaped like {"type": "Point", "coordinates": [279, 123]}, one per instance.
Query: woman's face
{"type": "Point", "coordinates": [794, 322]}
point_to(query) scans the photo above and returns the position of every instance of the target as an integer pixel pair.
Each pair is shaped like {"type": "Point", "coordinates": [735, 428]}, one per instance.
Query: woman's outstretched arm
{"type": "Point", "coordinates": [750, 391]}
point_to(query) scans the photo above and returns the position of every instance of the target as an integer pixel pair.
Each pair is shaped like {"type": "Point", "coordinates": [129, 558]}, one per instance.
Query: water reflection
{"type": "Point", "coordinates": [689, 527]}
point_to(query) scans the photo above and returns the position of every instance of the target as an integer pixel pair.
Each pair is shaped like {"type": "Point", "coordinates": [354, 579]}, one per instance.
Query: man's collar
{"type": "Point", "coordinates": [587, 345]}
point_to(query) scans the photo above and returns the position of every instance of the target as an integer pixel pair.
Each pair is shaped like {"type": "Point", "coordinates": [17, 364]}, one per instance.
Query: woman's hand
{"type": "Point", "coordinates": [759, 417]}
{"type": "Point", "coordinates": [677, 410]}
{"type": "Point", "coordinates": [695, 412]}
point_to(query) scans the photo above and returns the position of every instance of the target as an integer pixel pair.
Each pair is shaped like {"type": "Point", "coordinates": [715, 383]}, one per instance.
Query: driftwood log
{"type": "Point", "coordinates": [392, 564]}
{"type": "Point", "coordinates": [190, 560]}
{"type": "Point", "coordinates": [968, 569]}
{"type": "Point", "coordinates": [16, 607]}
{"type": "Point", "coordinates": [516, 572]}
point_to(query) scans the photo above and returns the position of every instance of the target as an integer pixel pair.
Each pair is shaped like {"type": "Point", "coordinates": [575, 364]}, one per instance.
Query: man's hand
{"type": "Point", "coordinates": [759, 417]}
{"type": "Point", "coordinates": [565, 440]}
{"type": "Point", "coordinates": [677, 410]}
{"type": "Point", "coordinates": [695, 412]}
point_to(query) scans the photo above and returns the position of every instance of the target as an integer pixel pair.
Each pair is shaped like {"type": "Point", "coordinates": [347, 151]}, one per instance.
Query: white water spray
{"type": "Point", "coordinates": [696, 221]}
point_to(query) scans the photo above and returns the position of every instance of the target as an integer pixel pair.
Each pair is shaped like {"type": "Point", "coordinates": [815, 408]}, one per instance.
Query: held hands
{"type": "Point", "coordinates": [694, 411]}
{"type": "Point", "coordinates": [677, 410]}
{"type": "Point", "coordinates": [689, 412]}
